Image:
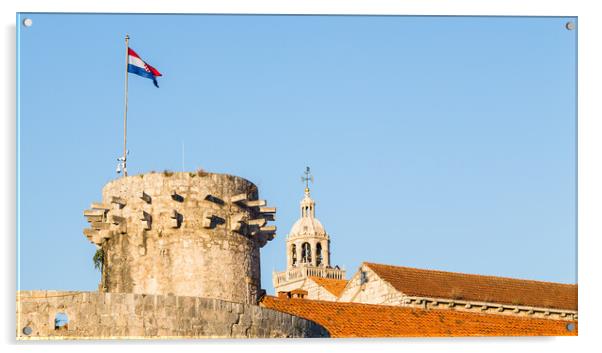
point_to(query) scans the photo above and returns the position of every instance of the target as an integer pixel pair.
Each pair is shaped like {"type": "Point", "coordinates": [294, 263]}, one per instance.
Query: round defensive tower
{"type": "Point", "coordinates": [188, 234]}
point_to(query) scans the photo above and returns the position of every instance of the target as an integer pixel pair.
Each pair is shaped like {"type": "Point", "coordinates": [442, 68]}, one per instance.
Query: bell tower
{"type": "Point", "coordinates": [307, 247]}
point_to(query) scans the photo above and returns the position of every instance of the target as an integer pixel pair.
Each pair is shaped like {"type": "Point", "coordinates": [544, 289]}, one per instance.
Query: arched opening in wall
{"type": "Point", "coordinates": [306, 253]}
{"type": "Point", "coordinates": [294, 254]}
{"type": "Point", "coordinates": [61, 321]}
{"type": "Point", "coordinates": [318, 254]}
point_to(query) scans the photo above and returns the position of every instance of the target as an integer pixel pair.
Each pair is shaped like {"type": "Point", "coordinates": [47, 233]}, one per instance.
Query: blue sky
{"type": "Point", "coordinates": [436, 142]}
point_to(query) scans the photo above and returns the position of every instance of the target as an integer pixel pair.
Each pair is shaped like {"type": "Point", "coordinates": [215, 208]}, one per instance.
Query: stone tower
{"type": "Point", "coordinates": [307, 249]}
{"type": "Point", "coordinates": [188, 234]}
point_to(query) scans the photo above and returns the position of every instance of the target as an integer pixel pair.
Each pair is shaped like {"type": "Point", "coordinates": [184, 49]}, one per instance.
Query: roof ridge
{"type": "Point", "coordinates": [369, 264]}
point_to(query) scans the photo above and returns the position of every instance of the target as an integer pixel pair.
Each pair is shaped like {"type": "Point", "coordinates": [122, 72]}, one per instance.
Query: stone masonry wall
{"type": "Point", "coordinates": [192, 234]}
{"type": "Point", "coordinates": [94, 315]}
{"type": "Point", "coordinates": [373, 291]}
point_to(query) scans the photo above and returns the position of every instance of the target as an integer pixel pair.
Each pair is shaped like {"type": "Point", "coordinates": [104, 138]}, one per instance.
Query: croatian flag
{"type": "Point", "coordinates": [139, 67]}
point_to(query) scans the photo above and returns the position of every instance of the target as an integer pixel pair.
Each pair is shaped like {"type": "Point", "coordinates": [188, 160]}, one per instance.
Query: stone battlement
{"type": "Point", "coordinates": [94, 315]}
{"type": "Point", "coordinates": [193, 234]}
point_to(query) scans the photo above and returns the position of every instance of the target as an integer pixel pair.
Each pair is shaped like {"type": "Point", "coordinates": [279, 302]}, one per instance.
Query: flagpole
{"type": "Point", "coordinates": [125, 112]}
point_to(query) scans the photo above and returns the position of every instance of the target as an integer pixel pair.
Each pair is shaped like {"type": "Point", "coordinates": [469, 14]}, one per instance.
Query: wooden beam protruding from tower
{"type": "Point", "coordinates": [254, 203]}
{"type": "Point", "coordinates": [267, 229]}
{"type": "Point", "coordinates": [238, 198]}
{"type": "Point", "coordinates": [257, 222]}
{"type": "Point", "coordinates": [267, 209]}
{"type": "Point", "coordinates": [94, 213]}
{"type": "Point", "coordinates": [99, 206]}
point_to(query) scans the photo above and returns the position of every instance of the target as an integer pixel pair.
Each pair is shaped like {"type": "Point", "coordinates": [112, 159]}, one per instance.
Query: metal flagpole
{"type": "Point", "coordinates": [125, 112]}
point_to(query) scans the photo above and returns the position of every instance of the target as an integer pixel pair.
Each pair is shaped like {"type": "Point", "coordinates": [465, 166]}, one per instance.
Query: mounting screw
{"type": "Point", "coordinates": [570, 326]}
{"type": "Point", "coordinates": [27, 22]}
{"type": "Point", "coordinates": [27, 330]}
{"type": "Point", "coordinates": [570, 26]}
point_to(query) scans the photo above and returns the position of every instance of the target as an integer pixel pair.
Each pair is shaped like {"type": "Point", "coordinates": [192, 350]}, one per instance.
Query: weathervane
{"type": "Point", "coordinates": [307, 178]}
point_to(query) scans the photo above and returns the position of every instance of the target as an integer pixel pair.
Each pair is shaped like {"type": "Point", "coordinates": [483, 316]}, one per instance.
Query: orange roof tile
{"type": "Point", "coordinates": [334, 286]}
{"type": "Point", "coordinates": [367, 320]}
{"type": "Point", "coordinates": [503, 290]}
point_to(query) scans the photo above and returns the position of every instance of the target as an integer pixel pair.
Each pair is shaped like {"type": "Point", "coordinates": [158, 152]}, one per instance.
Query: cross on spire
{"type": "Point", "coordinates": [307, 178]}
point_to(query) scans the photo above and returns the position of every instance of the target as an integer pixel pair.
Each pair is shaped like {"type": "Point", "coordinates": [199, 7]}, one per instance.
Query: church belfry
{"type": "Point", "coordinates": [307, 247]}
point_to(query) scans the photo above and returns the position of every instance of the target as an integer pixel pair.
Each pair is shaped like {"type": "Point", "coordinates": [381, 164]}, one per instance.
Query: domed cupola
{"type": "Point", "coordinates": [308, 224]}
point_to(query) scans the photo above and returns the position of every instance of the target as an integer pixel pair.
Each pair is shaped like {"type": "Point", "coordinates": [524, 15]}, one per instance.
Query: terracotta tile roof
{"type": "Point", "coordinates": [441, 284]}
{"type": "Point", "coordinates": [334, 286]}
{"type": "Point", "coordinates": [367, 320]}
